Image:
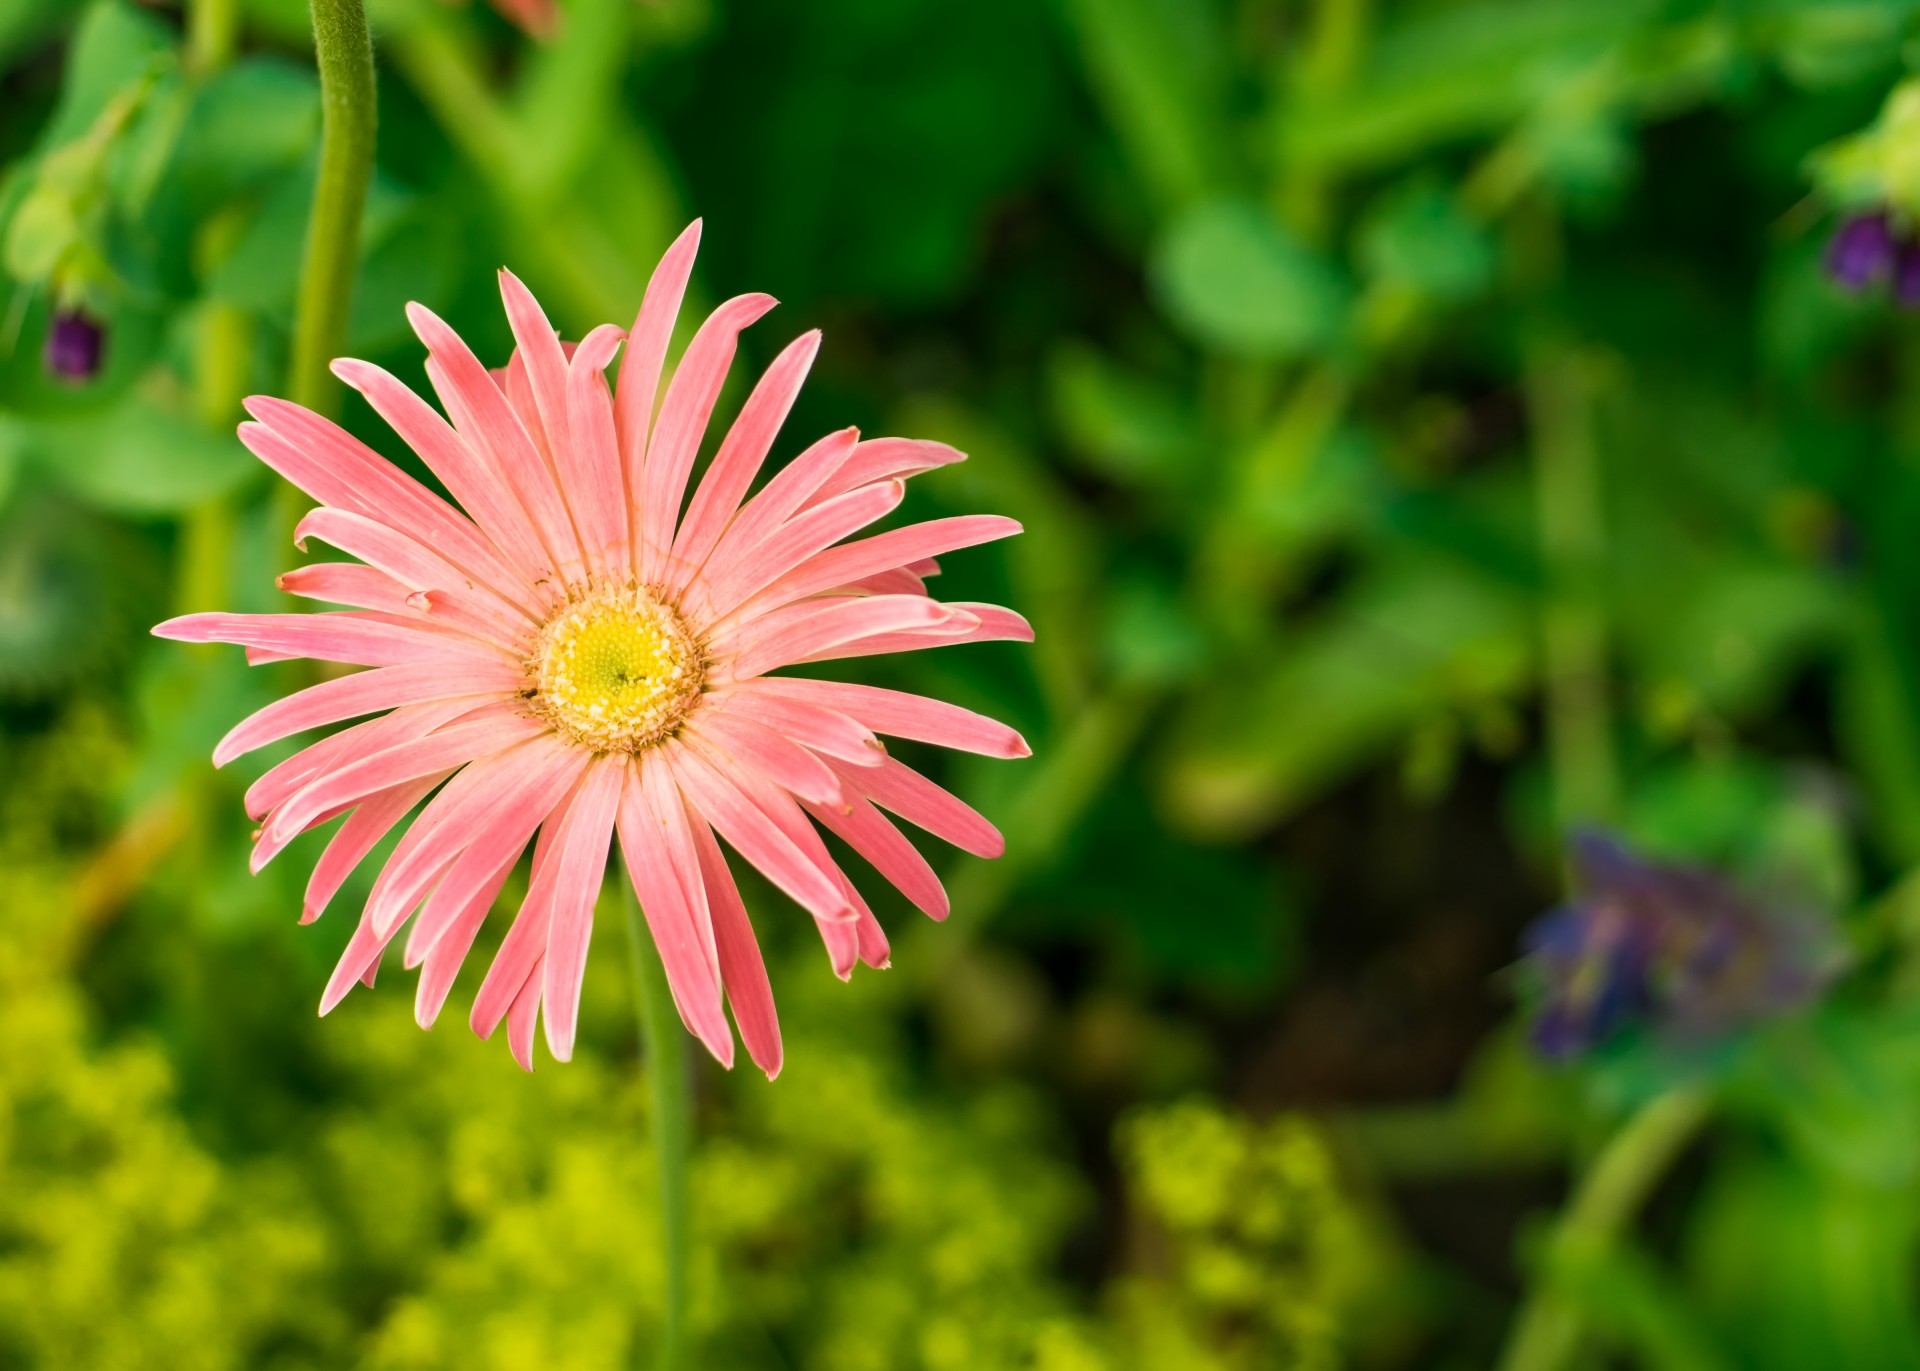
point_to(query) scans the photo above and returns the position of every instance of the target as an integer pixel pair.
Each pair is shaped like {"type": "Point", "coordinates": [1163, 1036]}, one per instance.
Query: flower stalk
{"type": "Point", "coordinates": [1548, 1330]}
{"type": "Point", "coordinates": [343, 50]}
{"type": "Point", "coordinates": [664, 1045]}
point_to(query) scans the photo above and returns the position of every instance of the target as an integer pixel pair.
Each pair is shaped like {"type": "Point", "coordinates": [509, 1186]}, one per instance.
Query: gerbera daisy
{"type": "Point", "coordinates": [574, 657]}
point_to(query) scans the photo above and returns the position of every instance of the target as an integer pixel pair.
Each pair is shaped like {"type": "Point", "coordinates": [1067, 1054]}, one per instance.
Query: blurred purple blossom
{"type": "Point", "coordinates": [76, 346]}
{"type": "Point", "coordinates": [1861, 251]}
{"type": "Point", "coordinates": [1873, 247]}
{"type": "Point", "coordinates": [1678, 948]}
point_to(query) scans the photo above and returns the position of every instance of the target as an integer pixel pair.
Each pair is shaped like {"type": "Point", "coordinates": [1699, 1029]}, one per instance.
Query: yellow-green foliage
{"type": "Point", "coordinates": [441, 1209]}
{"type": "Point", "coordinates": [1251, 1254]}
{"type": "Point", "coordinates": [123, 1242]}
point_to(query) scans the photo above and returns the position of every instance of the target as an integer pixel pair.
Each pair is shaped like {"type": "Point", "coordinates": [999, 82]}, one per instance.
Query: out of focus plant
{"type": "Point", "coordinates": [1250, 1254]}
{"type": "Point", "coordinates": [1676, 948]}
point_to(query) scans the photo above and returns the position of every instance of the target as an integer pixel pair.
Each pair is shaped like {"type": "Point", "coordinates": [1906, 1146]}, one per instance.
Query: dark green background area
{"type": "Point", "coordinates": [1337, 355]}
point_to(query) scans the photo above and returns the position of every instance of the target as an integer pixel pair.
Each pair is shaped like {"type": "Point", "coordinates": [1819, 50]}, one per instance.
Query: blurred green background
{"type": "Point", "coordinates": [1434, 429]}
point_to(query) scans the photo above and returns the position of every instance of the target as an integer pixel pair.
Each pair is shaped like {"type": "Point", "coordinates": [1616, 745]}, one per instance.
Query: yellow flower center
{"type": "Point", "coordinates": [617, 672]}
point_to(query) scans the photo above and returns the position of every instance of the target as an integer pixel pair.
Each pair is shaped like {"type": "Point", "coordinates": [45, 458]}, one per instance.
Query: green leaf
{"type": "Point", "coordinates": [134, 458]}
{"type": "Point", "coordinates": [1418, 235]}
{"type": "Point", "coordinates": [1444, 72]}
{"type": "Point", "coordinates": [1155, 66]}
{"type": "Point", "coordinates": [1234, 279]}
{"type": "Point", "coordinates": [1801, 1269]}
{"type": "Point", "coordinates": [1258, 743]}
{"type": "Point", "coordinates": [258, 117]}
{"type": "Point", "coordinates": [43, 230]}
{"type": "Point", "coordinates": [115, 44]}
{"type": "Point", "coordinates": [1124, 425]}
{"type": "Point", "coordinates": [1844, 1090]}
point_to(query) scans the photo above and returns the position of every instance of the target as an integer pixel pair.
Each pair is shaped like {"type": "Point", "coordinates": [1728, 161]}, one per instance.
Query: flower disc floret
{"type": "Point", "coordinates": [617, 672]}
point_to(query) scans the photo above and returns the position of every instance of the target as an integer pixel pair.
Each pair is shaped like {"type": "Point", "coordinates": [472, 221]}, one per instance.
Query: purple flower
{"type": "Point", "coordinates": [1906, 276]}
{"type": "Point", "coordinates": [1861, 251]}
{"type": "Point", "coordinates": [76, 345]}
{"type": "Point", "coordinates": [1677, 948]}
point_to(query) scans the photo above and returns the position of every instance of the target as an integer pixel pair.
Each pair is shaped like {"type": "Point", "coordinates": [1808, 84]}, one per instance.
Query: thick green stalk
{"type": "Point", "coordinates": [664, 1043]}
{"type": "Point", "coordinates": [1548, 1330]}
{"type": "Point", "coordinates": [344, 52]}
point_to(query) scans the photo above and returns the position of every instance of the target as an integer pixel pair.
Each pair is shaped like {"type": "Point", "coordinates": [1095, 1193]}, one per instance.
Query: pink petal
{"type": "Point", "coordinates": [899, 581]}
{"type": "Point", "coordinates": [456, 922]}
{"type": "Point", "coordinates": [346, 636]}
{"type": "Point", "coordinates": [885, 459]}
{"type": "Point", "coordinates": [482, 416]}
{"type": "Point", "coordinates": [869, 832]}
{"type": "Point", "coordinates": [835, 623]}
{"type": "Point", "coordinates": [593, 465]}
{"type": "Point", "coordinates": [364, 692]}
{"type": "Point", "coordinates": [454, 746]}
{"type": "Point", "coordinates": [870, 940]}
{"type": "Point", "coordinates": [526, 941]}
{"type": "Point", "coordinates": [337, 469]}
{"type": "Point", "coordinates": [639, 383]}
{"type": "Point", "coordinates": [782, 497]}
{"type": "Point", "coordinates": [662, 861]}
{"type": "Point", "coordinates": [898, 787]}
{"type": "Point", "coordinates": [844, 937]}
{"type": "Point", "coordinates": [364, 828]}
{"type": "Point", "coordinates": [578, 868]}
{"type": "Point", "coordinates": [494, 805]}
{"type": "Point", "coordinates": [414, 566]}
{"type": "Point", "coordinates": [479, 487]}
{"type": "Point", "coordinates": [524, 1015]}
{"type": "Point", "coordinates": [364, 587]}
{"type": "Point", "coordinates": [537, 350]}
{"type": "Point", "coordinates": [901, 715]}
{"type": "Point", "coordinates": [363, 739]}
{"type": "Point", "coordinates": [739, 744]}
{"type": "Point", "coordinates": [740, 457]}
{"type": "Point", "coordinates": [356, 965]}
{"type": "Point", "coordinates": [741, 966]}
{"type": "Point", "coordinates": [974, 623]}
{"type": "Point", "coordinates": [837, 566]}
{"type": "Point", "coordinates": [811, 724]}
{"type": "Point", "coordinates": [675, 441]}
{"type": "Point", "coordinates": [753, 835]}
{"type": "Point", "coordinates": [740, 570]}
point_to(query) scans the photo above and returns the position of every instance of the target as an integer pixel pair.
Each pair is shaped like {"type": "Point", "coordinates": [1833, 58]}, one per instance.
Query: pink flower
{"type": "Point", "coordinates": [574, 657]}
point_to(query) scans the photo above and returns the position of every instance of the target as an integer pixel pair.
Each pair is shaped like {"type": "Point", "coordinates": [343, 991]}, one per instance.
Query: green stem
{"type": "Point", "coordinates": [664, 1043]}
{"type": "Point", "coordinates": [1548, 1329]}
{"type": "Point", "coordinates": [1573, 622]}
{"type": "Point", "coordinates": [344, 53]}
{"type": "Point", "coordinates": [213, 32]}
